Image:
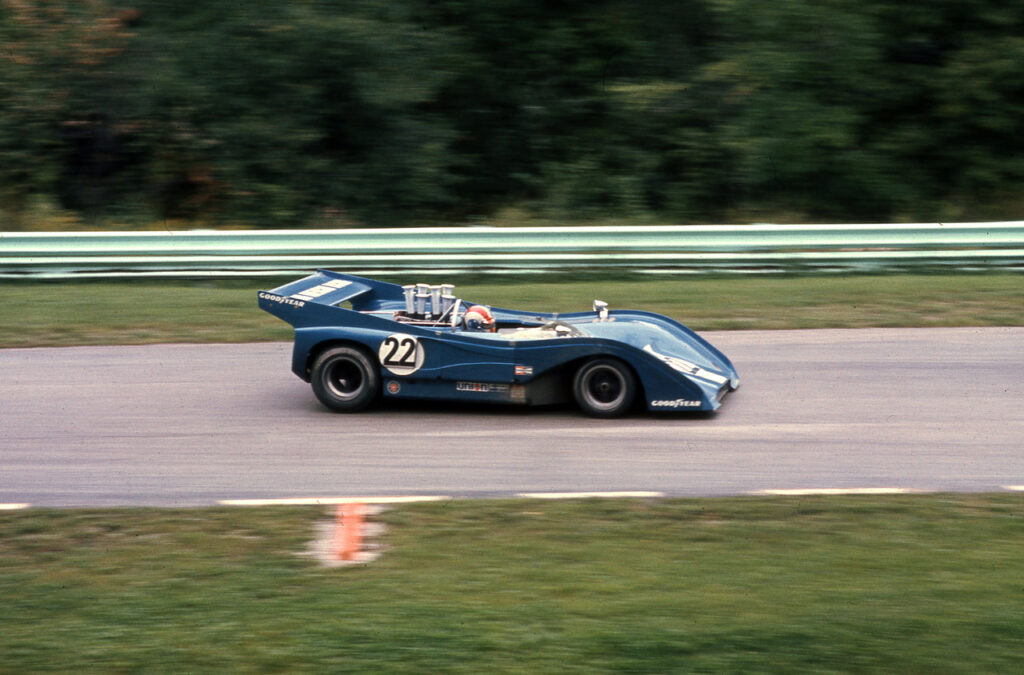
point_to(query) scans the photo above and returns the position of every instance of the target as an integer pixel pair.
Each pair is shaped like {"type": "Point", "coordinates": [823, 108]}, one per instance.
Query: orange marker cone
{"type": "Point", "coordinates": [348, 530]}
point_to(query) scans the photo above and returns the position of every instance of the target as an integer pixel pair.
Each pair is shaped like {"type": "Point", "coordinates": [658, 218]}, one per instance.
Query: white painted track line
{"type": "Point", "coordinates": [837, 491]}
{"type": "Point", "coordinates": [588, 495]}
{"type": "Point", "coordinates": [313, 501]}
{"type": "Point", "coordinates": [624, 494]}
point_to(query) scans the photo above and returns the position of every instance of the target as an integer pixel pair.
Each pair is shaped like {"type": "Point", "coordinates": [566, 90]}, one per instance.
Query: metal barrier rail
{"type": "Point", "coordinates": [736, 248]}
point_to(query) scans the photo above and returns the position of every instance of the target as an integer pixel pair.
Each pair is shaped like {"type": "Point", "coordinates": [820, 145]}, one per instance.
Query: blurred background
{"type": "Point", "coordinates": [322, 113]}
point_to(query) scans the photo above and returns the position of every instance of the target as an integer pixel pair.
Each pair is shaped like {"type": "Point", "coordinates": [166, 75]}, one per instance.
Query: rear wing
{"type": "Point", "coordinates": [304, 302]}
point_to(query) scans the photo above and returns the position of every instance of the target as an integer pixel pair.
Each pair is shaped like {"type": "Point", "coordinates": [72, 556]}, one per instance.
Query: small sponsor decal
{"type": "Point", "coordinates": [281, 299]}
{"type": "Point", "coordinates": [401, 354]}
{"type": "Point", "coordinates": [481, 387]}
{"type": "Point", "coordinates": [394, 387]}
{"type": "Point", "coordinates": [518, 392]}
{"type": "Point", "coordinates": [675, 403]}
{"type": "Point", "coordinates": [523, 370]}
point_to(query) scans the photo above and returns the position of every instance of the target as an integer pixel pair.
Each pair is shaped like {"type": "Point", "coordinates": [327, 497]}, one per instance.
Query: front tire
{"type": "Point", "coordinates": [345, 379]}
{"type": "Point", "coordinates": [604, 387]}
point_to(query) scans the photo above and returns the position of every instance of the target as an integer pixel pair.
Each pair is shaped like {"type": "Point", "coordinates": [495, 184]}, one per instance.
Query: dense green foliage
{"type": "Point", "coordinates": [414, 111]}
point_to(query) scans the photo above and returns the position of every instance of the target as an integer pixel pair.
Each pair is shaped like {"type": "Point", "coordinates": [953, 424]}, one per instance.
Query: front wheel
{"type": "Point", "coordinates": [345, 379]}
{"type": "Point", "coordinates": [604, 387]}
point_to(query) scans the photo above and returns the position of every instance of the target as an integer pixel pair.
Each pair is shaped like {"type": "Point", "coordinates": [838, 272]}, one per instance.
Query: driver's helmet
{"type": "Point", "coordinates": [479, 318]}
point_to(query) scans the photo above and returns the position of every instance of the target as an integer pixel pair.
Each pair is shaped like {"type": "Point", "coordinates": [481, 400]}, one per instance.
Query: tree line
{"type": "Point", "coordinates": [383, 112]}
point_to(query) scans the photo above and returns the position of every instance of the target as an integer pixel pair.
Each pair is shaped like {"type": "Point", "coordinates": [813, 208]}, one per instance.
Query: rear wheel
{"type": "Point", "coordinates": [604, 387]}
{"type": "Point", "coordinates": [345, 379]}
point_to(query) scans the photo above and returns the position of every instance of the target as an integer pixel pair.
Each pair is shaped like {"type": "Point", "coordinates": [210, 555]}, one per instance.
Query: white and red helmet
{"type": "Point", "coordinates": [479, 317]}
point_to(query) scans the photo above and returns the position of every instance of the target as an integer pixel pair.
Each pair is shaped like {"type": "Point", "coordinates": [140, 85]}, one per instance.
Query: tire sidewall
{"type": "Point", "coordinates": [594, 408]}
{"type": "Point", "coordinates": [323, 368]}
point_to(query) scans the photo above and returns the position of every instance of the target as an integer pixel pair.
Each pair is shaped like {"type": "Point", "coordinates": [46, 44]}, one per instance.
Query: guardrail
{"type": "Point", "coordinates": [652, 249]}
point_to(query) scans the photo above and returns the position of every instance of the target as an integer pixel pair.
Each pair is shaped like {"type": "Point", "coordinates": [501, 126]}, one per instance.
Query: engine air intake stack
{"type": "Point", "coordinates": [425, 302]}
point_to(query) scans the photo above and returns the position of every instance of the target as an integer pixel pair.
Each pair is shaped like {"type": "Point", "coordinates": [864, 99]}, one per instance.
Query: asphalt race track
{"type": "Point", "coordinates": [183, 425]}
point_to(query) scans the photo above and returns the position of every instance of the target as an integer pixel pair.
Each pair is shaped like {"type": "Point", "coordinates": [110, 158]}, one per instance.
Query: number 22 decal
{"type": "Point", "coordinates": [401, 354]}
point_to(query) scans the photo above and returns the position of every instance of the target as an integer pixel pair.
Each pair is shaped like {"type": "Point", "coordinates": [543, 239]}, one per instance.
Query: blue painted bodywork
{"type": "Point", "coordinates": [520, 363]}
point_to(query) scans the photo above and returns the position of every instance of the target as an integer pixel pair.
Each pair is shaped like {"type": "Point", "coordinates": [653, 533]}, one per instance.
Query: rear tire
{"type": "Point", "coordinates": [604, 387]}
{"type": "Point", "coordinates": [345, 379]}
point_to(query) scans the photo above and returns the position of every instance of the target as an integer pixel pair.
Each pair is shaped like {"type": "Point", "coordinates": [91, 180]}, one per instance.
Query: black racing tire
{"type": "Point", "coordinates": [346, 379]}
{"type": "Point", "coordinates": [604, 387]}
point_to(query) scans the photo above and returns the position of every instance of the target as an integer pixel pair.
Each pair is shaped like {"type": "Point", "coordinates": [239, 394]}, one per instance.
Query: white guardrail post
{"type": "Point", "coordinates": [651, 249]}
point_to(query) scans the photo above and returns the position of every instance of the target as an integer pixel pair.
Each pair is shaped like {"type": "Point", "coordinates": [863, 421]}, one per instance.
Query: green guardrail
{"type": "Point", "coordinates": [653, 249]}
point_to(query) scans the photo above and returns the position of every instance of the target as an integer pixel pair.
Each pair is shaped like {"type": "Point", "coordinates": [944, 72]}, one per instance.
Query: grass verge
{"type": "Point", "coordinates": [59, 314]}
{"type": "Point", "coordinates": [823, 584]}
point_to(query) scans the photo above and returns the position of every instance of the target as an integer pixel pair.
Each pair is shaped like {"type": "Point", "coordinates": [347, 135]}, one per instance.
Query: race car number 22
{"type": "Point", "coordinates": [401, 354]}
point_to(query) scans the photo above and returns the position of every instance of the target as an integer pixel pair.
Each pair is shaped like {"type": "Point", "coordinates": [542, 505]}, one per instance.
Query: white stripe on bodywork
{"type": "Point", "coordinates": [687, 368]}
{"type": "Point", "coordinates": [323, 289]}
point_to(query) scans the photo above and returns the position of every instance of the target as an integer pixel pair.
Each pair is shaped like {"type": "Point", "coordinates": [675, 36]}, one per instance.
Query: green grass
{"type": "Point", "coordinates": [54, 314]}
{"type": "Point", "coordinates": [855, 584]}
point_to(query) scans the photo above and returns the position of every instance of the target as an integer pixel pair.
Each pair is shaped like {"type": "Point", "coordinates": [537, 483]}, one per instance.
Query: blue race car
{"type": "Point", "coordinates": [358, 339]}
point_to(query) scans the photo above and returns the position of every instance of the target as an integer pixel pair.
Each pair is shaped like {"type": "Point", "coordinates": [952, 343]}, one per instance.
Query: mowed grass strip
{"type": "Point", "coordinates": [59, 314]}
{"type": "Point", "coordinates": [812, 584]}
